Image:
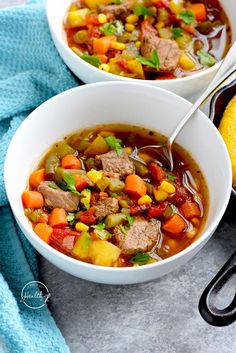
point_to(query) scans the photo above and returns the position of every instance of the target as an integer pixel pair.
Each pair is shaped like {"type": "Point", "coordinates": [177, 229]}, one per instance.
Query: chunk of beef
{"type": "Point", "coordinates": [105, 207]}
{"type": "Point", "coordinates": [167, 49]}
{"type": "Point", "coordinates": [116, 166]}
{"type": "Point", "coordinates": [58, 198]}
{"type": "Point", "coordinates": [141, 237]}
{"type": "Point", "coordinates": [116, 10]}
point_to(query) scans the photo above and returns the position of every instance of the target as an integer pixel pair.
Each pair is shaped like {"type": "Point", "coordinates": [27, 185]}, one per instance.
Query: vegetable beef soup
{"type": "Point", "coordinates": [91, 200]}
{"type": "Point", "coordinates": [148, 39]}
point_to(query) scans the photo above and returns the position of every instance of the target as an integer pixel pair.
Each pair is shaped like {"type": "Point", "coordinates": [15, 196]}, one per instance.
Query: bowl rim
{"type": "Point", "coordinates": [26, 225]}
{"type": "Point", "coordinates": [112, 76]}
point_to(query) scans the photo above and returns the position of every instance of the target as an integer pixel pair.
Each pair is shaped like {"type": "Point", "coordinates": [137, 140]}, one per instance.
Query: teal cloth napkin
{"type": "Point", "coordinates": [31, 71]}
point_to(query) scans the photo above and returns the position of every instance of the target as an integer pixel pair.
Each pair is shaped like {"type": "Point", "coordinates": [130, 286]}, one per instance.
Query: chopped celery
{"type": "Point", "coordinates": [62, 149]}
{"type": "Point", "coordinates": [140, 169]}
{"type": "Point", "coordinates": [116, 185]}
{"type": "Point", "coordinates": [52, 162]}
{"type": "Point", "coordinates": [98, 146]}
{"type": "Point", "coordinates": [113, 220]}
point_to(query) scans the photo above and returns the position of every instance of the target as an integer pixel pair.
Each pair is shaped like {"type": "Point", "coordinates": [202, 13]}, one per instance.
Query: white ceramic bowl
{"type": "Point", "coordinates": [113, 102]}
{"type": "Point", "coordinates": [185, 86]}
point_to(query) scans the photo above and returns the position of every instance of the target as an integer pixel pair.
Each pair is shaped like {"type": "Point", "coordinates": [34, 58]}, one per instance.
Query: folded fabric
{"type": "Point", "coordinates": [31, 71]}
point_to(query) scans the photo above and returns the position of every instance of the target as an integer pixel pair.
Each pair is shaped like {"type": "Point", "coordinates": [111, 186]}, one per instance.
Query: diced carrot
{"type": "Point", "coordinates": [103, 58]}
{"type": "Point", "coordinates": [37, 177]}
{"type": "Point", "coordinates": [44, 231]}
{"type": "Point", "coordinates": [135, 185]}
{"type": "Point", "coordinates": [199, 11]}
{"type": "Point", "coordinates": [103, 44]}
{"type": "Point", "coordinates": [189, 29]}
{"type": "Point", "coordinates": [70, 162]}
{"type": "Point", "coordinates": [32, 199]}
{"type": "Point", "coordinates": [57, 218]}
{"type": "Point", "coordinates": [80, 182]}
{"type": "Point", "coordinates": [157, 171]}
{"type": "Point", "coordinates": [175, 224]}
{"type": "Point", "coordinates": [190, 210]}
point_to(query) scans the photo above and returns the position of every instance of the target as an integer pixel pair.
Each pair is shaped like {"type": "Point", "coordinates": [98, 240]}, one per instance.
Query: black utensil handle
{"type": "Point", "coordinates": [209, 312]}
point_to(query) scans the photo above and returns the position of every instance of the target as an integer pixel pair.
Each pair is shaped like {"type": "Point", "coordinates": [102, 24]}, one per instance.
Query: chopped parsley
{"type": "Point", "coordinates": [206, 59]}
{"type": "Point", "coordinates": [143, 11]}
{"type": "Point", "coordinates": [101, 232]}
{"type": "Point", "coordinates": [99, 226]}
{"type": "Point", "coordinates": [177, 32]}
{"type": "Point", "coordinates": [153, 62]}
{"type": "Point", "coordinates": [70, 217]}
{"type": "Point", "coordinates": [114, 144]}
{"type": "Point", "coordinates": [130, 220]}
{"type": "Point", "coordinates": [187, 16]}
{"type": "Point", "coordinates": [53, 186]}
{"type": "Point", "coordinates": [140, 258]}
{"type": "Point", "coordinates": [91, 59]}
{"type": "Point", "coordinates": [113, 27]}
{"type": "Point", "coordinates": [170, 176]}
{"type": "Point", "coordinates": [68, 184]}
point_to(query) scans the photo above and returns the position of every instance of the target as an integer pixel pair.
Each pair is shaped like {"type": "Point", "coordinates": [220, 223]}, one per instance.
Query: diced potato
{"type": "Point", "coordinates": [116, 185]}
{"type": "Point", "coordinates": [95, 175]}
{"type": "Point", "coordinates": [186, 62]}
{"type": "Point", "coordinates": [77, 18]}
{"type": "Point", "coordinates": [136, 68]}
{"type": "Point", "coordinates": [103, 253]}
{"type": "Point", "coordinates": [98, 146]}
{"type": "Point", "coordinates": [82, 246]}
{"type": "Point", "coordinates": [103, 183]}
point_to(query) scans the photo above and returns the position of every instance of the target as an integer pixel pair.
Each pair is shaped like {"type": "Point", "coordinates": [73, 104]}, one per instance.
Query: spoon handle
{"type": "Point", "coordinates": [221, 76]}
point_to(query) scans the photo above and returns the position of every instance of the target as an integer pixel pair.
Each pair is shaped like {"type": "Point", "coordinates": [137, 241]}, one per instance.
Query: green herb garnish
{"type": "Point", "coordinates": [113, 27]}
{"type": "Point", "coordinates": [114, 144]}
{"type": "Point", "coordinates": [101, 231]}
{"type": "Point", "coordinates": [70, 183]}
{"type": "Point", "coordinates": [206, 59]}
{"type": "Point", "coordinates": [187, 16]}
{"type": "Point", "coordinates": [140, 258]}
{"type": "Point", "coordinates": [91, 59]}
{"type": "Point", "coordinates": [153, 62]}
{"type": "Point", "coordinates": [177, 32]}
{"type": "Point", "coordinates": [70, 217]}
{"type": "Point", "coordinates": [130, 220]}
{"type": "Point", "coordinates": [99, 226]}
{"type": "Point", "coordinates": [143, 11]}
{"type": "Point", "coordinates": [53, 186]}
{"type": "Point", "coordinates": [170, 176]}
{"type": "Point", "coordinates": [86, 241]}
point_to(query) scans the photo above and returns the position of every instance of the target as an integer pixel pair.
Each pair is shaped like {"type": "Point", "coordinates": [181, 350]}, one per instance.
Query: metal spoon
{"type": "Point", "coordinates": [225, 71]}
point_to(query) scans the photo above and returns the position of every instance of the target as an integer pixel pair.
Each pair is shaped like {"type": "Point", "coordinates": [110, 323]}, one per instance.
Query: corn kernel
{"type": "Point", "coordinates": [102, 18]}
{"type": "Point", "coordinates": [135, 265]}
{"type": "Point", "coordinates": [128, 150]}
{"type": "Point", "coordinates": [104, 67]}
{"type": "Point", "coordinates": [129, 27]}
{"type": "Point", "coordinates": [138, 44]}
{"type": "Point", "coordinates": [186, 62]}
{"type": "Point", "coordinates": [160, 195]}
{"type": "Point", "coordinates": [81, 227]}
{"type": "Point", "coordinates": [95, 175]}
{"type": "Point", "coordinates": [151, 261]}
{"type": "Point", "coordinates": [160, 25]}
{"type": "Point", "coordinates": [167, 187]}
{"type": "Point", "coordinates": [195, 221]}
{"type": "Point", "coordinates": [132, 19]}
{"type": "Point", "coordinates": [144, 199]}
{"type": "Point", "coordinates": [191, 234]}
{"type": "Point", "coordinates": [118, 46]}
